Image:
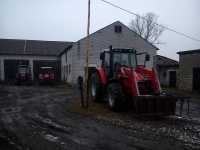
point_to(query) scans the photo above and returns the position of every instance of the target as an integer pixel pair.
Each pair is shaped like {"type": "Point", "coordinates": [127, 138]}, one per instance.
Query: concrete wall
{"type": "Point", "coordinates": [22, 57]}
{"type": "Point", "coordinates": [187, 63]}
{"type": "Point", "coordinates": [102, 39]}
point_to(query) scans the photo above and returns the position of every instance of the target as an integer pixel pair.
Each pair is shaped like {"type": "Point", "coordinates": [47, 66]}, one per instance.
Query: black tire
{"type": "Point", "coordinates": [95, 87]}
{"type": "Point", "coordinates": [115, 97]}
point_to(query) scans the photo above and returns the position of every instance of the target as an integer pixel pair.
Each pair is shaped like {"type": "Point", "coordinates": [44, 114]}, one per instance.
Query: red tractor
{"type": "Point", "coordinates": [121, 82]}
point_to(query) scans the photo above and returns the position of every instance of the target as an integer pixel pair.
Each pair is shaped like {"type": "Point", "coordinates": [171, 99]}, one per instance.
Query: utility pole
{"type": "Point", "coordinates": [87, 58]}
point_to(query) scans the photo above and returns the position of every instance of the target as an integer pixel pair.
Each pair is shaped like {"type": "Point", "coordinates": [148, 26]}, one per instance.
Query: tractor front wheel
{"type": "Point", "coordinates": [116, 99]}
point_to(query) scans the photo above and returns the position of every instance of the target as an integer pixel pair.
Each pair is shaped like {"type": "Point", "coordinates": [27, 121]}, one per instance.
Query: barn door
{"type": "Point", "coordinates": [196, 79]}
{"type": "Point", "coordinates": [172, 79]}
{"type": "Point", "coordinates": [10, 68]}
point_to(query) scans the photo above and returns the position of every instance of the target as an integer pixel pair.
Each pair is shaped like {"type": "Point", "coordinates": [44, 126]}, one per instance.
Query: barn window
{"type": "Point", "coordinates": [118, 29]}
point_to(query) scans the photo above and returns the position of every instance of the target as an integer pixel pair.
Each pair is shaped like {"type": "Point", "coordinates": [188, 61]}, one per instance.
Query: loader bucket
{"type": "Point", "coordinates": [155, 105]}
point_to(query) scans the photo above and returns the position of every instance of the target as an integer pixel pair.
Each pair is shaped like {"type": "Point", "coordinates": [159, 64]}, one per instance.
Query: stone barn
{"type": "Point", "coordinates": [189, 70]}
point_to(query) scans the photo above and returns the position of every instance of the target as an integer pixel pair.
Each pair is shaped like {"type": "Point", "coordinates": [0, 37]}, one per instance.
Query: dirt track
{"type": "Point", "coordinates": [38, 118]}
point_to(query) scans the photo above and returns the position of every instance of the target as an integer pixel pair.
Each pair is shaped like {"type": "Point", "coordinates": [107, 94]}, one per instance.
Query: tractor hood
{"type": "Point", "coordinates": [145, 79]}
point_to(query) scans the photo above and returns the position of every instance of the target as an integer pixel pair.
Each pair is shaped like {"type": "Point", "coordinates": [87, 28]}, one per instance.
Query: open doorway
{"type": "Point", "coordinates": [172, 79]}
{"type": "Point", "coordinates": [196, 79]}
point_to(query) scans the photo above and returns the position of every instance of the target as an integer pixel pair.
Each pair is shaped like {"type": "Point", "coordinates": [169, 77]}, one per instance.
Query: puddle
{"type": "Point", "coordinates": [11, 110]}
{"type": "Point", "coordinates": [51, 138]}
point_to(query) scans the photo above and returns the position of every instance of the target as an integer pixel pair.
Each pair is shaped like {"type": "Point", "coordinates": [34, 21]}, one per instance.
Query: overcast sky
{"type": "Point", "coordinates": [65, 20]}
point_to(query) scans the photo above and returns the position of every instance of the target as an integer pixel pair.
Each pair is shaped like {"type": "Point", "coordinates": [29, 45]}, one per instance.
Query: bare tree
{"type": "Point", "coordinates": [146, 26]}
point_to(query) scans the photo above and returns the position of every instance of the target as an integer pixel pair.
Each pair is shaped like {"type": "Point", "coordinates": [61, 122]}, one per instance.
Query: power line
{"type": "Point", "coordinates": [135, 14]}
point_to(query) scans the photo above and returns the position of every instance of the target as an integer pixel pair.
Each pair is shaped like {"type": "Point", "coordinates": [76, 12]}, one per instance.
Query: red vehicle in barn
{"type": "Point", "coordinates": [46, 75]}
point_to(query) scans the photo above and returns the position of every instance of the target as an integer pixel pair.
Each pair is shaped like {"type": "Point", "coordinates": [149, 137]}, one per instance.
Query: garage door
{"type": "Point", "coordinates": [10, 68]}
{"type": "Point", "coordinates": [172, 79]}
{"type": "Point", "coordinates": [46, 63]}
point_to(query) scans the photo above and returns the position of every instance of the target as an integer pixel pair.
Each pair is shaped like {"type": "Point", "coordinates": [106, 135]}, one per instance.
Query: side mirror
{"type": "Point", "coordinates": [102, 56]}
{"type": "Point", "coordinates": [147, 57]}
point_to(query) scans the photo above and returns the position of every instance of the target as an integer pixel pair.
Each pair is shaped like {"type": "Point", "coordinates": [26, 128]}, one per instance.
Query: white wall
{"type": "Point", "coordinates": [102, 39]}
{"type": "Point", "coordinates": [66, 66]}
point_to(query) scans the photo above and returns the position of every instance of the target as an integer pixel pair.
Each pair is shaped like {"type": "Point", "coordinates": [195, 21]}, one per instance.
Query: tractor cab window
{"type": "Point", "coordinates": [107, 63]}
{"type": "Point", "coordinates": [116, 61]}
{"type": "Point", "coordinates": [133, 61]}
{"type": "Point", "coordinates": [107, 60]}
{"type": "Point", "coordinates": [125, 59]}
{"type": "Point", "coordinates": [116, 58]}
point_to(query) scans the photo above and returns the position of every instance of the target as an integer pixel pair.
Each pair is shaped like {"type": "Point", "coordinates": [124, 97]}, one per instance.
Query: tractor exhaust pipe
{"type": "Point", "coordinates": [110, 47]}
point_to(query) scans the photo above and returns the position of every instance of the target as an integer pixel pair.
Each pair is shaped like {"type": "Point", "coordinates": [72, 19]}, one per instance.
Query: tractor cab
{"type": "Point", "coordinates": [114, 59]}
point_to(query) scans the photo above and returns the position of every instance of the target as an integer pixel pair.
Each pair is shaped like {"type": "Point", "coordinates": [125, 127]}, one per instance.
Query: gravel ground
{"type": "Point", "coordinates": [39, 117]}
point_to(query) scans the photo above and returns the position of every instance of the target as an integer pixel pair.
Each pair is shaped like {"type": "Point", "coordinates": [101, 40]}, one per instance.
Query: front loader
{"type": "Point", "coordinates": [123, 83]}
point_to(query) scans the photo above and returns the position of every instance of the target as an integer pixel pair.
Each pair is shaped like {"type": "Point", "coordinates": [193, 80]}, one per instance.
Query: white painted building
{"type": "Point", "coordinates": [117, 34]}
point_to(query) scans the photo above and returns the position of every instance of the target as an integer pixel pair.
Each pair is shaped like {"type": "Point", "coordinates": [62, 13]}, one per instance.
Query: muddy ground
{"type": "Point", "coordinates": [40, 117]}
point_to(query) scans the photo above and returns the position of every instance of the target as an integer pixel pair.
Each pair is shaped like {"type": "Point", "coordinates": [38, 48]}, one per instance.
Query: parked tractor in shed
{"type": "Point", "coordinates": [23, 75]}
{"type": "Point", "coordinates": [122, 82]}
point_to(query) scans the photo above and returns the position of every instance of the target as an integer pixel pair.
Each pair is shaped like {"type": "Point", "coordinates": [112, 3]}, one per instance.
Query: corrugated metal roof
{"type": "Point", "coordinates": [189, 52]}
{"type": "Point", "coordinates": [32, 47]}
{"type": "Point", "coordinates": [164, 61]}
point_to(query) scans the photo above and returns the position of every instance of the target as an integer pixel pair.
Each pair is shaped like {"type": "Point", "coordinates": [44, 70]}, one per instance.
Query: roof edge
{"type": "Point", "coordinates": [8, 54]}
{"type": "Point", "coordinates": [35, 40]}
{"type": "Point", "coordinates": [189, 52]}
{"type": "Point", "coordinates": [66, 49]}
{"type": "Point", "coordinates": [167, 58]}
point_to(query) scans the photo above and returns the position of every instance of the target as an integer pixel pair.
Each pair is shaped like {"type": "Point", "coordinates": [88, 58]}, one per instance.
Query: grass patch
{"type": "Point", "coordinates": [93, 109]}
{"type": "Point", "coordinates": [99, 110]}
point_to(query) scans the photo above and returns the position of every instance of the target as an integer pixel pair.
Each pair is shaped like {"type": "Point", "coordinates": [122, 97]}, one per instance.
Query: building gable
{"type": "Point", "coordinates": [138, 41]}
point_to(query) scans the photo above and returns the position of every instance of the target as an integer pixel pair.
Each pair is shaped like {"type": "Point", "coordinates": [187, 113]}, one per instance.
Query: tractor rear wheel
{"type": "Point", "coordinates": [116, 99]}
{"type": "Point", "coordinates": [95, 87]}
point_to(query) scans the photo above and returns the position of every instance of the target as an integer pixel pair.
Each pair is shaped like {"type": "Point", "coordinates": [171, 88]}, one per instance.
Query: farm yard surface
{"type": "Point", "coordinates": [49, 117]}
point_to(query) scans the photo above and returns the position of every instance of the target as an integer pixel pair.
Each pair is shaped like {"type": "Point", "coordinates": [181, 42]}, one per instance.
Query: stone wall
{"type": "Point", "coordinates": [187, 63]}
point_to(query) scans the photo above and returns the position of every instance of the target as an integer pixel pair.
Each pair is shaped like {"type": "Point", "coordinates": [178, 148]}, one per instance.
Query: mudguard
{"type": "Point", "coordinates": [102, 76]}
